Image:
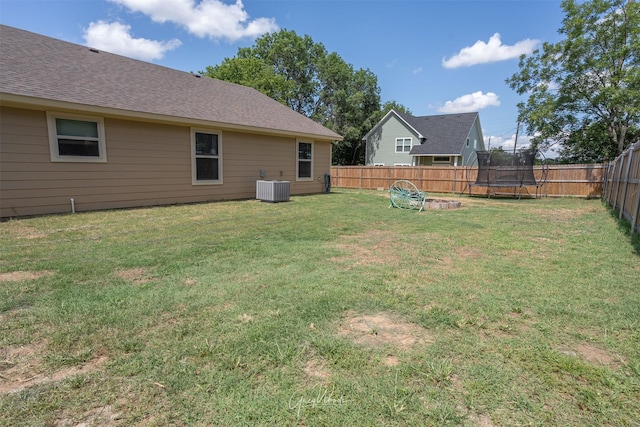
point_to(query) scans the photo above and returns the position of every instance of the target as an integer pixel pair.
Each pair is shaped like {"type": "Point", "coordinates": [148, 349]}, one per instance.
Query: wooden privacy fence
{"type": "Point", "coordinates": [561, 180]}
{"type": "Point", "coordinates": [622, 185]}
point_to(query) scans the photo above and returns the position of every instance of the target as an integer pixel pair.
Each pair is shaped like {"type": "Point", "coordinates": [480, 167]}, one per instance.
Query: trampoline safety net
{"type": "Point", "coordinates": [502, 169]}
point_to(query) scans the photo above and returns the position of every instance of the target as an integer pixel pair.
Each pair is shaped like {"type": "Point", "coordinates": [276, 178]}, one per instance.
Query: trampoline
{"type": "Point", "coordinates": [499, 169]}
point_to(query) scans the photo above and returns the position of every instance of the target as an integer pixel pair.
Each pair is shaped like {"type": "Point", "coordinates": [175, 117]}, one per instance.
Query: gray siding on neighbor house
{"type": "Point", "coordinates": [476, 142]}
{"type": "Point", "coordinates": [440, 137]}
{"type": "Point", "coordinates": [381, 143]}
{"type": "Point", "coordinates": [147, 164]}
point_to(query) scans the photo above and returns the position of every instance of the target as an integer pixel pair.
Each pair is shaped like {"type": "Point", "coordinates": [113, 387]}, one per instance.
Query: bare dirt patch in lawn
{"type": "Point", "coordinates": [383, 330]}
{"type": "Point", "coordinates": [104, 416]}
{"type": "Point", "coordinates": [561, 214]}
{"type": "Point", "coordinates": [19, 276]}
{"type": "Point", "coordinates": [391, 360]}
{"type": "Point", "coordinates": [591, 354]}
{"type": "Point", "coordinates": [481, 420]}
{"type": "Point", "coordinates": [137, 276]}
{"type": "Point", "coordinates": [316, 369]}
{"type": "Point", "coordinates": [596, 356]}
{"type": "Point", "coordinates": [22, 367]}
{"type": "Point", "coordinates": [467, 252]}
{"type": "Point", "coordinates": [377, 247]}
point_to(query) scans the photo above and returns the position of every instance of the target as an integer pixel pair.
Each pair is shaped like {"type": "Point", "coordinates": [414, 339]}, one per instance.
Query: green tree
{"type": "Point", "coordinates": [584, 91]}
{"type": "Point", "coordinates": [301, 74]}
{"type": "Point", "coordinates": [252, 72]}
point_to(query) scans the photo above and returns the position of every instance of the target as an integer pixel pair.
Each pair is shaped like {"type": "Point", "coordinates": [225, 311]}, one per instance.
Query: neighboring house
{"type": "Point", "coordinates": [112, 132]}
{"type": "Point", "coordinates": [401, 139]}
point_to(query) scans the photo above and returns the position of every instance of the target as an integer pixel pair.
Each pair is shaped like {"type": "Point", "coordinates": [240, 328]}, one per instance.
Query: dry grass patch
{"type": "Point", "coordinates": [22, 367]}
{"type": "Point", "coordinates": [316, 369]}
{"type": "Point", "coordinates": [597, 356]}
{"type": "Point", "coordinates": [19, 276]}
{"type": "Point", "coordinates": [376, 247]}
{"type": "Point", "coordinates": [391, 360]}
{"type": "Point", "coordinates": [105, 416]}
{"type": "Point", "coordinates": [137, 276]}
{"type": "Point", "coordinates": [562, 214]}
{"type": "Point", "coordinates": [383, 330]}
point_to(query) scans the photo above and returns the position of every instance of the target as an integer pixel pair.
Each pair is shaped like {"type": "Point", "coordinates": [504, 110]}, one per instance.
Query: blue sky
{"type": "Point", "coordinates": [433, 57]}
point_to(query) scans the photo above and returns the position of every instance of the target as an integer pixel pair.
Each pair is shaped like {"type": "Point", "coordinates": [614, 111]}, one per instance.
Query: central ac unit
{"type": "Point", "coordinates": [273, 191]}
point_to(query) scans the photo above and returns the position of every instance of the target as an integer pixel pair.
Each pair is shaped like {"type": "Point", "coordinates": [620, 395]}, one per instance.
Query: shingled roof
{"type": "Point", "coordinates": [39, 70]}
{"type": "Point", "coordinates": [445, 134]}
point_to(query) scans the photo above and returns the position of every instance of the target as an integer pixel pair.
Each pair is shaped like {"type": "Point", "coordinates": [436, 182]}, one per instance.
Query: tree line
{"type": "Point", "coordinates": [301, 74]}
{"type": "Point", "coordinates": [582, 93]}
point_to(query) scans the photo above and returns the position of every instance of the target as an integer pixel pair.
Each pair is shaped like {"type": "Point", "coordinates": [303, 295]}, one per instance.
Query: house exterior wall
{"type": "Point", "coordinates": [475, 142]}
{"type": "Point", "coordinates": [147, 164]}
{"type": "Point", "coordinates": [429, 161]}
{"type": "Point", "coordinates": [381, 144]}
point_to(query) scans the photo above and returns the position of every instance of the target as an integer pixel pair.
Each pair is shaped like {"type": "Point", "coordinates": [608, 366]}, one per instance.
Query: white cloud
{"type": "Point", "coordinates": [208, 18]}
{"type": "Point", "coordinates": [471, 102]}
{"type": "Point", "coordinates": [492, 51]}
{"type": "Point", "coordinates": [116, 38]}
{"type": "Point", "coordinates": [507, 142]}
{"type": "Point", "coordinates": [417, 70]}
{"type": "Point", "coordinates": [524, 141]}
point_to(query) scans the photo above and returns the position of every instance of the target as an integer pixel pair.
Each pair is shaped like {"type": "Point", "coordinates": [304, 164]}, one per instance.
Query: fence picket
{"type": "Point", "coordinates": [629, 202]}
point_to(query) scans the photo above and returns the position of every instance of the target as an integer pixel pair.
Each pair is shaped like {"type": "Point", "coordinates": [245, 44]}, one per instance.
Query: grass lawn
{"type": "Point", "coordinates": [328, 310]}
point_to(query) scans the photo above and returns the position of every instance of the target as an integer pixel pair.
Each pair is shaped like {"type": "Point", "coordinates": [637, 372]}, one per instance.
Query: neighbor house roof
{"type": "Point", "coordinates": [41, 71]}
{"type": "Point", "coordinates": [443, 134]}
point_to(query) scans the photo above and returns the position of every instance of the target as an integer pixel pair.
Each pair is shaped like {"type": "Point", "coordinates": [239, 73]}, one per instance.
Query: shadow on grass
{"type": "Point", "coordinates": [625, 227]}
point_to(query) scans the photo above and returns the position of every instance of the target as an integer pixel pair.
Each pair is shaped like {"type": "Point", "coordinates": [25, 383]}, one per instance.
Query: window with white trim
{"type": "Point", "coordinates": [75, 138]}
{"type": "Point", "coordinates": [304, 166]}
{"type": "Point", "coordinates": [206, 162]}
{"type": "Point", "coordinates": [403, 145]}
{"type": "Point", "coordinates": [442, 159]}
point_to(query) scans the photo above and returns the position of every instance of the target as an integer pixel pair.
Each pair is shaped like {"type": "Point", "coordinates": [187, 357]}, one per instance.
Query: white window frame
{"type": "Point", "coordinates": [298, 160]}
{"type": "Point", "coordinates": [442, 162]}
{"type": "Point", "coordinates": [402, 164]}
{"type": "Point", "coordinates": [403, 145]}
{"type": "Point", "coordinates": [378, 164]}
{"type": "Point", "coordinates": [194, 165]}
{"type": "Point", "coordinates": [53, 138]}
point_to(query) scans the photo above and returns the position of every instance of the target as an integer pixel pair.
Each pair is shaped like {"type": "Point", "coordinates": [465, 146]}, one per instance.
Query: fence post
{"type": "Point", "coordinates": [613, 167]}
{"type": "Point", "coordinates": [618, 180]}
{"type": "Point", "coordinates": [626, 184]}
{"type": "Point", "coordinates": [455, 177]}
{"type": "Point", "coordinates": [605, 180]}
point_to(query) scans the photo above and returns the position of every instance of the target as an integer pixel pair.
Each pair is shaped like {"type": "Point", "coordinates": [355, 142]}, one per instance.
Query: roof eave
{"type": "Point", "coordinates": [364, 138]}
{"type": "Point", "coordinates": [435, 154]}
{"type": "Point", "coordinates": [8, 99]}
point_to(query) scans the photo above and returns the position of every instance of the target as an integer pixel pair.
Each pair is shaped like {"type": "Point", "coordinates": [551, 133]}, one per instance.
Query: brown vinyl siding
{"type": "Point", "coordinates": [147, 164]}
